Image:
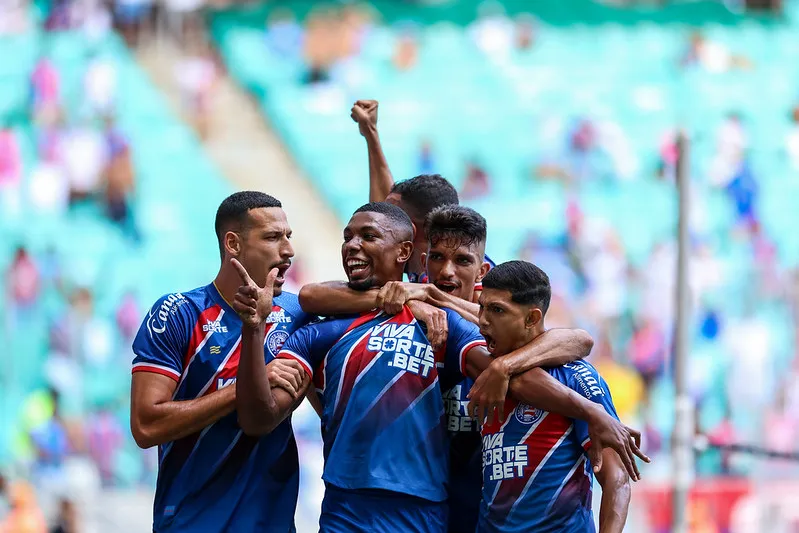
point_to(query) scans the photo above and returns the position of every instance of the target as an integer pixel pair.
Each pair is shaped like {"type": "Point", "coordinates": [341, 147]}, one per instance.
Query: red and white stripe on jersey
{"type": "Point", "coordinates": [157, 369]}
{"type": "Point", "coordinates": [465, 350]}
{"type": "Point", "coordinates": [288, 354]}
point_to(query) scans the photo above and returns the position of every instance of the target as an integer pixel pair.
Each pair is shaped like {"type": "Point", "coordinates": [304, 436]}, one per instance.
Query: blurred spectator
{"type": "Point", "coordinates": [627, 387]}
{"type": "Point", "coordinates": [120, 180]}
{"type": "Point", "coordinates": [93, 18]}
{"type": "Point", "coordinates": [406, 53]}
{"type": "Point", "coordinates": [713, 57]}
{"type": "Point", "coordinates": [45, 89]}
{"type": "Point", "coordinates": [321, 47]}
{"type": "Point", "coordinates": [731, 145]}
{"type": "Point", "coordinates": [128, 316]}
{"type": "Point", "coordinates": [81, 334]}
{"type": "Point", "coordinates": [52, 443]}
{"type": "Point", "coordinates": [85, 157]}
{"type": "Point", "coordinates": [105, 438]}
{"type": "Point", "coordinates": [196, 75]}
{"type": "Point", "coordinates": [22, 279]}
{"type": "Point", "coordinates": [25, 515]}
{"type": "Point", "coordinates": [647, 350]}
{"type": "Point", "coordinates": [427, 162]}
{"type": "Point", "coordinates": [493, 32]}
{"type": "Point", "coordinates": [10, 160]}
{"type": "Point", "coordinates": [100, 85]}
{"type": "Point", "coordinates": [476, 184]}
{"type": "Point", "coordinates": [67, 520]}
{"type": "Point", "coordinates": [4, 503]}
{"type": "Point", "coordinates": [131, 17]}
{"type": "Point", "coordinates": [525, 33]}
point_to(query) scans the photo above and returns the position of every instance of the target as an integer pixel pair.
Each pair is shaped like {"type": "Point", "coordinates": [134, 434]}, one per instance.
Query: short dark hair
{"type": "Point", "coordinates": [527, 284]}
{"type": "Point", "coordinates": [232, 212]}
{"type": "Point", "coordinates": [400, 218]}
{"type": "Point", "coordinates": [456, 222]}
{"type": "Point", "coordinates": [422, 194]}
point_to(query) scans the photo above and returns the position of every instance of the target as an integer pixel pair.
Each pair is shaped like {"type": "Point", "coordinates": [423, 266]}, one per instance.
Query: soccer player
{"type": "Point", "coordinates": [417, 196]}
{"type": "Point", "coordinates": [456, 243]}
{"type": "Point", "coordinates": [383, 426]}
{"type": "Point", "coordinates": [211, 476]}
{"type": "Point", "coordinates": [536, 474]}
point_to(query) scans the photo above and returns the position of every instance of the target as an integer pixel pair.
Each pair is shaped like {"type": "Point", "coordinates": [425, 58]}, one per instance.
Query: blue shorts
{"type": "Point", "coordinates": [366, 511]}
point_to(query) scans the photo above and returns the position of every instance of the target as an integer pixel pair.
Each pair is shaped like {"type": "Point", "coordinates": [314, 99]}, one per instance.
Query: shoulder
{"type": "Point", "coordinates": [290, 302]}
{"type": "Point", "coordinates": [583, 377]}
{"type": "Point", "coordinates": [173, 311]}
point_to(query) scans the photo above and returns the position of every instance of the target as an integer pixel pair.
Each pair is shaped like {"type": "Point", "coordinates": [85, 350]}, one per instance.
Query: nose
{"type": "Point", "coordinates": [482, 322]}
{"type": "Point", "coordinates": [448, 270]}
{"type": "Point", "coordinates": [351, 246]}
{"type": "Point", "coordinates": [287, 250]}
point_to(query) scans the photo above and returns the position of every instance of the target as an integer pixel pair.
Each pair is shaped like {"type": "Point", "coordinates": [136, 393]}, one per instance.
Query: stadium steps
{"type": "Point", "coordinates": [246, 150]}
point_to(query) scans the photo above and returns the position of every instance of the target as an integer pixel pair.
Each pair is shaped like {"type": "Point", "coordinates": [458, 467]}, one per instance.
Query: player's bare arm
{"type": "Point", "coordinates": [468, 310]}
{"type": "Point", "coordinates": [364, 113]}
{"type": "Point", "coordinates": [538, 389]}
{"type": "Point", "coordinates": [492, 375]}
{"type": "Point", "coordinates": [336, 298]}
{"type": "Point", "coordinates": [260, 407]}
{"type": "Point", "coordinates": [615, 493]}
{"type": "Point", "coordinates": [156, 419]}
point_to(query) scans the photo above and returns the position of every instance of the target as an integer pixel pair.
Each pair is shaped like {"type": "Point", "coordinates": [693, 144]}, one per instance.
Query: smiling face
{"type": "Point", "coordinates": [506, 325]}
{"type": "Point", "coordinates": [455, 267]}
{"type": "Point", "coordinates": [374, 251]}
{"type": "Point", "coordinates": [263, 244]}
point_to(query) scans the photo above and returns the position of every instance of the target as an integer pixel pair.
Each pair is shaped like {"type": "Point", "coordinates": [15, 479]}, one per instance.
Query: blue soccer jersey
{"type": "Point", "coordinates": [383, 422]}
{"type": "Point", "coordinates": [218, 479]}
{"type": "Point", "coordinates": [536, 473]}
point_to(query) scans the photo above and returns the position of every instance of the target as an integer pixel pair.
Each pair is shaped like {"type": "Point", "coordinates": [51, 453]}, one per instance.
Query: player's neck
{"type": "Point", "coordinates": [227, 282]}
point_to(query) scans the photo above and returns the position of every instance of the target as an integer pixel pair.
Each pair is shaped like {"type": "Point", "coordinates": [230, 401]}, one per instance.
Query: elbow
{"type": "Point", "coordinates": [143, 435]}
{"type": "Point", "coordinates": [585, 342]}
{"type": "Point", "coordinates": [253, 427]}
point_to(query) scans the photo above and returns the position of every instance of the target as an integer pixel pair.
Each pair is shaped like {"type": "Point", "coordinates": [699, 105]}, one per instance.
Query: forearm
{"type": "Point", "coordinates": [553, 348]}
{"type": "Point", "coordinates": [380, 179]}
{"type": "Point", "coordinates": [615, 503]}
{"type": "Point", "coordinates": [255, 402]}
{"type": "Point", "coordinates": [335, 298]}
{"type": "Point", "coordinates": [439, 298]}
{"type": "Point", "coordinates": [173, 420]}
{"type": "Point", "coordinates": [537, 388]}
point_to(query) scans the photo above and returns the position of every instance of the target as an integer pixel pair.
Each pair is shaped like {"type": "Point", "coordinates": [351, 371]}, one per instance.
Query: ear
{"type": "Point", "coordinates": [413, 237]}
{"type": "Point", "coordinates": [232, 243]}
{"type": "Point", "coordinates": [534, 317]}
{"type": "Point", "coordinates": [405, 251]}
{"type": "Point", "coordinates": [423, 257]}
{"type": "Point", "coordinates": [484, 268]}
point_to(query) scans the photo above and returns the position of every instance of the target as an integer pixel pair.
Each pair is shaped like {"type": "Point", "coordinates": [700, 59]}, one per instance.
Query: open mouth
{"type": "Point", "coordinates": [447, 286]}
{"type": "Point", "coordinates": [491, 344]}
{"type": "Point", "coordinates": [281, 273]}
{"type": "Point", "coordinates": [358, 268]}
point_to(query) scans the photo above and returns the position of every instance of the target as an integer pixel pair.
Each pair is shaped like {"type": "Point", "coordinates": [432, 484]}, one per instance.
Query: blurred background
{"type": "Point", "coordinates": [124, 123]}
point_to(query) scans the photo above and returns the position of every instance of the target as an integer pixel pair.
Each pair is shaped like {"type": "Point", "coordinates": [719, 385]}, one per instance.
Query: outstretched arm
{"type": "Point", "coordinates": [615, 493]}
{"type": "Point", "coordinates": [364, 112]}
{"type": "Point", "coordinates": [336, 298]}
{"type": "Point", "coordinates": [492, 375]}
{"type": "Point", "coordinates": [468, 310]}
{"type": "Point", "coordinates": [537, 388]}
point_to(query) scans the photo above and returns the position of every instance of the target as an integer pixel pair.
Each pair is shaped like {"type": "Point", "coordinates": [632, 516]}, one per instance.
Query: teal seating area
{"type": "Point", "coordinates": [177, 191]}
{"type": "Point", "coordinates": [605, 63]}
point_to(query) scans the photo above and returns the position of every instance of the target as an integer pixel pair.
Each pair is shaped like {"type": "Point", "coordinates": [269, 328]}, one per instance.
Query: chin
{"type": "Point", "coordinates": [362, 284]}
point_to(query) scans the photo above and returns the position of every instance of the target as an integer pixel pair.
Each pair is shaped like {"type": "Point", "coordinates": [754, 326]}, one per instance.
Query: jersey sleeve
{"type": "Point", "coordinates": [586, 381]}
{"type": "Point", "coordinates": [309, 344]}
{"type": "Point", "coordinates": [463, 336]}
{"type": "Point", "coordinates": [163, 338]}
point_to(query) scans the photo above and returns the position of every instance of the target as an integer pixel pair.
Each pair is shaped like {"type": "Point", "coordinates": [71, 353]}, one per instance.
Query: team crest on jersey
{"type": "Point", "coordinates": [526, 414]}
{"type": "Point", "coordinates": [275, 340]}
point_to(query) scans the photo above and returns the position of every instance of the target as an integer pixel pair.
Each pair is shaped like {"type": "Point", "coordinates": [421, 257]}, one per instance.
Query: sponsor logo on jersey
{"type": "Point", "coordinates": [221, 383]}
{"type": "Point", "coordinates": [585, 379]}
{"type": "Point", "coordinates": [156, 321]}
{"type": "Point", "coordinates": [527, 415]}
{"type": "Point", "coordinates": [215, 326]}
{"type": "Point", "coordinates": [456, 408]}
{"type": "Point", "coordinates": [410, 355]}
{"type": "Point", "coordinates": [500, 461]}
{"type": "Point", "coordinates": [275, 340]}
{"type": "Point", "coordinates": [278, 317]}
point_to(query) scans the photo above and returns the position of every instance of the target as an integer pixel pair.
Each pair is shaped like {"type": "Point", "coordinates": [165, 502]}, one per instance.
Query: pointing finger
{"type": "Point", "coordinates": [243, 274]}
{"type": "Point", "coordinates": [270, 278]}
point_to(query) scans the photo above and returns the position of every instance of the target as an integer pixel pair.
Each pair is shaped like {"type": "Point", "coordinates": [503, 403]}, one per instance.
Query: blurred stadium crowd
{"type": "Point", "coordinates": [561, 132]}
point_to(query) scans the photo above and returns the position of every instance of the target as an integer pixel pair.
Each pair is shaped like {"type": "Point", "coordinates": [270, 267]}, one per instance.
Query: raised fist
{"type": "Point", "coordinates": [364, 112]}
